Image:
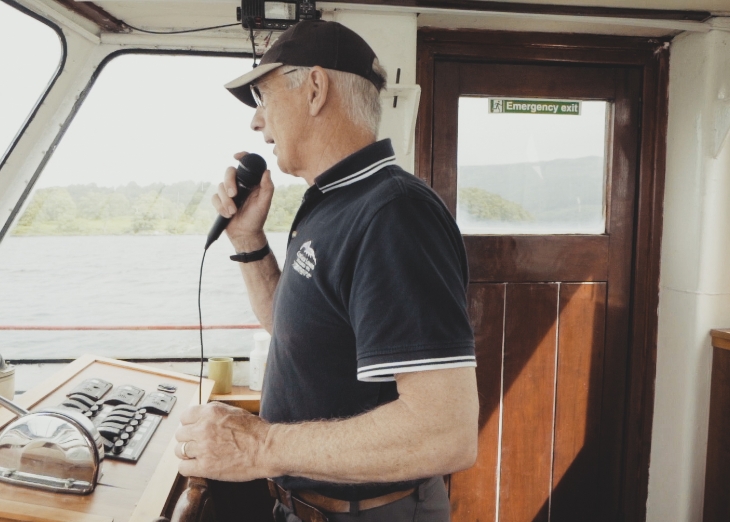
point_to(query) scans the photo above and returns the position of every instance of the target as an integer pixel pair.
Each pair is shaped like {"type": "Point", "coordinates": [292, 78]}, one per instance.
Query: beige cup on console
{"type": "Point", "coordinates": [7, 379]}
{"type": "Point", "coordinates": [220, 369]}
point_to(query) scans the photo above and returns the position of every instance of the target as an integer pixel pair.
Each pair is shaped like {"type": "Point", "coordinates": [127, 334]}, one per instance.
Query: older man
{"type": "Point", "coordinates": [370, 393]}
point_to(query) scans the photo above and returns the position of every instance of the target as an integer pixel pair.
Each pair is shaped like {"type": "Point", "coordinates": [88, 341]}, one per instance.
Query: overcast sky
{"type": "Point", "coordinates": [160, 119]}
{"type": "Point", "coordinates": [489, 139]}
{"type": "Point", "coordinates": [163, 118]}
{"type": "Point", "coordinates": [148, 118]}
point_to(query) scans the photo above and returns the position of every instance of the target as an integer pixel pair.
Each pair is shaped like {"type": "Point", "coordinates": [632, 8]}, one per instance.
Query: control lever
{"type": "Point", "coordinates": [15, 408]}
{"type": "Point", "coordinates": [54, 449]}
{"type": "Point", "coordinates": [83, 399]}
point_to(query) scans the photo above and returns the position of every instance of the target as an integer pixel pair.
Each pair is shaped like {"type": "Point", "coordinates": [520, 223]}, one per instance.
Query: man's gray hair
{"type": "Point", "coordinates": [360, 97]}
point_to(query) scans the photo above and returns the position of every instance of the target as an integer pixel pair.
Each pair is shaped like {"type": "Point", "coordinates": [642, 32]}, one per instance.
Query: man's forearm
{"type": "Point", "coordinates": [426, 432]}
{"type": "Point", "coordinates": [431, 429]}
{"type": "Point", "coordinates": [261, 278]}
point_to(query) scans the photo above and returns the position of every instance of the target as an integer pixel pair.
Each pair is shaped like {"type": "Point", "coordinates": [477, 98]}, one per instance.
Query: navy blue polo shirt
{"type": "Point", "coordinates": [374, 284]}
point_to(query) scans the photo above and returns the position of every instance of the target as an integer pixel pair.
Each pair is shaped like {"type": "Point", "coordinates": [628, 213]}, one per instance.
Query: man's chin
{"type": "Point", "coordinates": [282, 166]}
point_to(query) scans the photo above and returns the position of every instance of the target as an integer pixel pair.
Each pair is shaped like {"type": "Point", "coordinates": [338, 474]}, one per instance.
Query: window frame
{"type": "Point", "coordinates": [44, 95]}
{"type": "Point", "coordinates": [15, 214]}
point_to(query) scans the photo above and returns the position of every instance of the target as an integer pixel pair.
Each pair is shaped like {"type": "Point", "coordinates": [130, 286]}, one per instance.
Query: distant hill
{"type": "Point", "coordinates": [484, 205]}
{"type": "Point", "coordinates": [549, 191]}
{"type": "Point", "coordinates": [179, 208]}
{"type": "Point", "coordinates": [559, 191]}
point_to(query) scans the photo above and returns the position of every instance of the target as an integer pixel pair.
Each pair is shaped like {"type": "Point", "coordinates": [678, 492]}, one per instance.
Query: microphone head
{"type": "Point", "coordinates": [250, 170]}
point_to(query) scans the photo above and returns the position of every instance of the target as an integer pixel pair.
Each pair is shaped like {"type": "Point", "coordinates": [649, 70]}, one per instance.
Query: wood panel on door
{"type": "Point", "coordinates": [550, 315]}
{"type": "Point", "coordinates": [539, 355]}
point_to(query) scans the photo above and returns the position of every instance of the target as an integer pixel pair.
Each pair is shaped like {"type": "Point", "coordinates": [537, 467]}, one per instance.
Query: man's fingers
{"type": "Point", "coordinates": [189, 449]}
{"type": "Point", "coordinates": [192, 414]}
{"type": "Point", "coordinates": [266, 182]}
{"type": "Point", "coordinates": [185, 432]}
{"type": "Point", "coordinates": [216, 201]}
{"type": "Point", "coordinates": [230, 177]}
{"type": "Point", "coordinates": [227, 204]}
{"type": "Point", "coordinates": [229, 181]}
{"type": "Point", "coordinates": [189, 468]}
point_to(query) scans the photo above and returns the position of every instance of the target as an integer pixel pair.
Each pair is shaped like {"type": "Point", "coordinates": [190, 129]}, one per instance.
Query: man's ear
{"type": "Point", "coordinates": [317, 89]}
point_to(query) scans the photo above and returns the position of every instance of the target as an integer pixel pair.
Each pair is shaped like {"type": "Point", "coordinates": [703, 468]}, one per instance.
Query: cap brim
{"type": "Point", "coordinates": [239, 87]}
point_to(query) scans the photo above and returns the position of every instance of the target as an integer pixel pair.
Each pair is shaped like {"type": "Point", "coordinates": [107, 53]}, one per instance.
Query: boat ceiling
{"type": "Point", "coordinates": [628, 17]}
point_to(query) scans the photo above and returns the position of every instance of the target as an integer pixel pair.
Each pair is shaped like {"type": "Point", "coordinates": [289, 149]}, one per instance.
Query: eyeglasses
{"type": "Point", "coordinates": [258, 97]}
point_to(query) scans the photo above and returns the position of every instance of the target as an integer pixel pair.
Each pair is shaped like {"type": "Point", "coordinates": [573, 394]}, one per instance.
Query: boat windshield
{"type": "Point", "coordinates": [105, 256]}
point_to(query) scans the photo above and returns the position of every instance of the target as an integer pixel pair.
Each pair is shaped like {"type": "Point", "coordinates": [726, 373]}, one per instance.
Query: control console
{"type": "Point", "coordinates": [125, 416]}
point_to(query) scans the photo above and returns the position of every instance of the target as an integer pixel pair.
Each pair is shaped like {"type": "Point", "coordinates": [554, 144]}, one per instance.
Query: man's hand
{"type": "Point", "coordinates": [247, 224]}
{"type": "Point", "coordinates": [222, 443]}
{"type": "Point", "coordinates": [246, 232]}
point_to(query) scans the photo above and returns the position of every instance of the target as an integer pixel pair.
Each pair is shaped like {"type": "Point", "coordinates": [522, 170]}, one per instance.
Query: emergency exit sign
{"type": "Point", "coordinates": [512, 106]}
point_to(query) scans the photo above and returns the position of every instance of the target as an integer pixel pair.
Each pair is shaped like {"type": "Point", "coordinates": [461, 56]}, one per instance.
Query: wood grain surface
{"type": "Point", "coordinates": [474, 491]}
{"type": "Point", "coordinates": [717, 472]}
{"type": "Point", "coordinates": [530, 346]}
{"type": "Point", "coordinates": [721, 339]}
{"type": "Point", "coordinates": [125, 492]}
{"type": "Point", "coordinates": [532, 259]}
{"type": "Point", "coordinates": [579, 383]}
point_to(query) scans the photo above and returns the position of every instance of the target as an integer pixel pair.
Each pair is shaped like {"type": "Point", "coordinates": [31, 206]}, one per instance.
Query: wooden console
{"type": "Point", "coordinates": [126, 492]}
{"type": "Point", "coordinates": [717, 473]}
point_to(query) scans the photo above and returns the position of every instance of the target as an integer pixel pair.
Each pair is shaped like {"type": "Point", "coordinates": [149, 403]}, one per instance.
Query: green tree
{"type": "Point", "coordinates": [284, 206]}
{"type": "Point", "coordinates": [179, 208]}
{"type": "Point", "coordinates": [187, 221]}
{"type": "Point", "coordinates": [488, 206]}
{"type": "Point", "coordinates": [116, 205]}
{"type": "Point", "coordinates": [32, 211]}
{"type": "Point", "coordinates": [58, 206]}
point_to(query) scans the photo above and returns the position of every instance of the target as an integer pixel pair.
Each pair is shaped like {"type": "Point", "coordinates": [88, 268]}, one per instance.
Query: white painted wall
{"type": "Point", "coordinates": [393, 38]}
{"type": "Point", "coordinates": [695, 271]}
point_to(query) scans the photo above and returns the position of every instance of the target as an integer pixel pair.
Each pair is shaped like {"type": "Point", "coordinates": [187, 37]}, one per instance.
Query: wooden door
{"type": "Point", "coordinates": [551, 315]}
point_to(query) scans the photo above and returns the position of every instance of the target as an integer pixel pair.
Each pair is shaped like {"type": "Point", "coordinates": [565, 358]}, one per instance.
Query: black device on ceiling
{"type": "Point", "coordinates": [276, 15]}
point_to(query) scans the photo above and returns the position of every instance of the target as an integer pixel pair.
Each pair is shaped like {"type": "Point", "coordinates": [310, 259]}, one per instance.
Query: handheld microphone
{"type": "Point", "coordinates": [248, 175]}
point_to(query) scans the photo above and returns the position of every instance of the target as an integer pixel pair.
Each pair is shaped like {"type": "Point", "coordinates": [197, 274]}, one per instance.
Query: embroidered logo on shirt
{"type": "Point", "coordinates": [306, 260]}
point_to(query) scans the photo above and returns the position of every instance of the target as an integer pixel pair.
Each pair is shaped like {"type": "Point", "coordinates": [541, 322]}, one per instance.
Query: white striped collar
{"type": "Point", "coordinates": [357, 176]}
{"type": "Point", "coordinates": [358, 166]}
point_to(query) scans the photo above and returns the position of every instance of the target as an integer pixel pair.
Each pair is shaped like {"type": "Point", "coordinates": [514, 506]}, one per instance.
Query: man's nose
{"type": "Point", "coordinates": [257, 122]}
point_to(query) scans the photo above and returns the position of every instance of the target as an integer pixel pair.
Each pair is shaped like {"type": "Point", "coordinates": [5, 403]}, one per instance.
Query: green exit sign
{"type": "Point", "coordinates": [513, 106]}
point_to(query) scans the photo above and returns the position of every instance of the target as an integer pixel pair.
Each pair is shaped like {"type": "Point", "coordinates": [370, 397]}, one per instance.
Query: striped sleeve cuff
{"type": "Point", "coordinates": [387, 371]}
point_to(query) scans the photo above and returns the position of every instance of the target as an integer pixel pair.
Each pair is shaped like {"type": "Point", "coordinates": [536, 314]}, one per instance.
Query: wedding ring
{"type": "Point", "coordinates": [182, 450]}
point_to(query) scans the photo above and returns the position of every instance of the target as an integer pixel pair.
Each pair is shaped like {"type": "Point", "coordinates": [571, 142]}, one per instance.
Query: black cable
{"type": "Point", "coordinates": [200, 317]}
{"type": "Point", "coordinates": [178, 32]}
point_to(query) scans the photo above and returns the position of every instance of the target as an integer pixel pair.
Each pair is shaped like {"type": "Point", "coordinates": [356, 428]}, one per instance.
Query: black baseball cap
{"type": "Point", "coordinates": [314, 42]}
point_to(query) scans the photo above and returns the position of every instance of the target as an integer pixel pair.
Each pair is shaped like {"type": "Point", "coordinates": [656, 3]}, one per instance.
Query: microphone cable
{"type": "Point", "coordinates": [248, 175]}
{"type": "Point", "coordinates": [200, 317]}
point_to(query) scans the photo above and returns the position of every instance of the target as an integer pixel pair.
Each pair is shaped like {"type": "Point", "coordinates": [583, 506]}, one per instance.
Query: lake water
{"type": "Point", "coordinates": [122, 280]}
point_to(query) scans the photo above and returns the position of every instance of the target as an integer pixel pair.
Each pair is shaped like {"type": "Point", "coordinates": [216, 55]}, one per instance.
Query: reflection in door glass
{"type": "Point", "coordinates": [531, 171]}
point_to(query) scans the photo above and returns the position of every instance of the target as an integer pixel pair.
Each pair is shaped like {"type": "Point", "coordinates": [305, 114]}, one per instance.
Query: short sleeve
{"type": "Point", "coordinates": [407, 297]}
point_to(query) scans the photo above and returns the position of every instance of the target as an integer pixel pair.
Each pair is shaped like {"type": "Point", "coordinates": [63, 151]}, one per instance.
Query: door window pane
{"type": "Point", "coordinates": [532, 171]}
{"type": "Point", "coordinates": [29, 55]}
{"type": "Point", "coordinates": [113, 234]}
